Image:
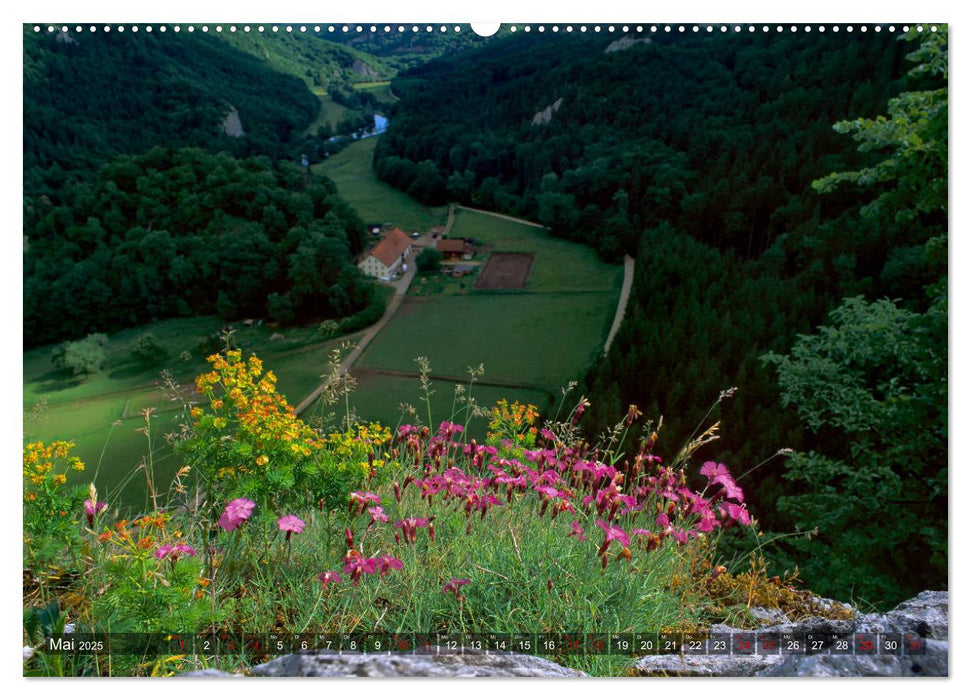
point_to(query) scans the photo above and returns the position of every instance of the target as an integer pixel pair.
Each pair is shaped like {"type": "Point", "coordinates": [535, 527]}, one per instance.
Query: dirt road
{"type": "Point", "coordinates": [622, 302]}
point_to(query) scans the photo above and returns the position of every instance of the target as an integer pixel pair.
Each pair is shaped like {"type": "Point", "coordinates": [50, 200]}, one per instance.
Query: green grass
{"type": "Point", "coordinates": [380, 90]}
{"type": "Point", "coordinates": [376, 201]}
{"type": "Point", "coordinates": [539, 340]}
{"type": "Point", "coordinates": [559, 265]}
{"type": "Point", "coordinates": [378, 397]}
{"type": "Point", "coordinates": [330, 113]}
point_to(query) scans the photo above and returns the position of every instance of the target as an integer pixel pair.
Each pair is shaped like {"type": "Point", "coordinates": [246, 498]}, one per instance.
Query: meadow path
{"type": "Point", "coordinates": [622, 302]}
{"type": "Point", "coordinates": [499, 216]}
{"type": "Point", "coordinates": [400, 290]}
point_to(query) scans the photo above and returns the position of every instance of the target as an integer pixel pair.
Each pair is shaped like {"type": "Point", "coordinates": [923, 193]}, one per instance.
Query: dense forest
{"type": "Point", "coordinates": [140, 206]}
{"type": "Point", "coordinates": [180, 232]}
{"type": "Point", "coordinates": [699, 155]}
{"type": "Point", "coordinates": [88, 97]}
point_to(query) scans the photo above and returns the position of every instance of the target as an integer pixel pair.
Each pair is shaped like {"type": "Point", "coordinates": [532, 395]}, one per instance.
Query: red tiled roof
{"type": "Point", "coordinates": [451, 245]}
{"type": "Point", "coordinates": [392, 247]}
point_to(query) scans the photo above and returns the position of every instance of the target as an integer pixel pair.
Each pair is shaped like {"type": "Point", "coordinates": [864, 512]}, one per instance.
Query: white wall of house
{"type": "Point", "coordinates": [375, 268]}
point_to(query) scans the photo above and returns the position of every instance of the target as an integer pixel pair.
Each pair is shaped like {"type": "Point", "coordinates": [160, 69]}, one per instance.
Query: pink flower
{"type": "Point", "coordinates": [359, 501]}
{"type": "Point", "coordinates": [708, 520]}
{"type": "Point", "coordinates": [377, 514]}
{"type": "Point", "coordinates": [364, 497]}
{"type": "Point", "coordinates": [92, 509]}
{"type": "Point", "coordinates": [174, 551]}
{"type": "Point", "coordinates": [581, 407]}
{"type": "Point", "coordinates": [240, 508]}
{"type": "Point", "coordinates": [454, 585]}
{"type": "Point", "coordinates": [385, 562]}
{"type": "Point", "coordinates": [236, 513]}
{"type": "Point", "coordinates": [577, 531]}
{"type": "Point", "coordinates": [409, 527]}
{"type": "Point", "coordinates": [612, 533]}
{"type": "Point", "coordinates": [355, 565]}
{"type": "Point", "coordinates": [447, 429]}
{"type": "Point", "coordinates": [731, 489]}
{"type": "Point", "coordinates": [738, 513]}
{"type": "Point", "coordinates": [712, 470]}
{"type": "Point", "coordinates": [328, 577]}
{"type": "Point", "coordinates": [680, 536]}
{"type": "Point", "coordinates": [290, 524]}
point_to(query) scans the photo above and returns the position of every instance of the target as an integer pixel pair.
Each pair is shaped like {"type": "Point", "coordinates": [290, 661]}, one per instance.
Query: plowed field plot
{"type": "Point", "coordinates": [505, 271]}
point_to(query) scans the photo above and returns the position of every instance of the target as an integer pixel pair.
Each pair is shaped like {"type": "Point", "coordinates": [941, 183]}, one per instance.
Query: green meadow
{"type": "Point", "coordinates": [540, 337]}
{"type": "Point", "coordinates": [381, 91]}
{"type": "Point", "coordinates": [559, 265]}
{"type": "Point", "coordinates": [534, 340]}
{"type": "Point", "coordinates": [330, 112]}
{"type": "Point", "coordinates": [375, 201]}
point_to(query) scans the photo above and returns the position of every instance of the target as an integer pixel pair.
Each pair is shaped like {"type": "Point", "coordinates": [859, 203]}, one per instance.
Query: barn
{"type": "Point", "coordinates": [387, 256]}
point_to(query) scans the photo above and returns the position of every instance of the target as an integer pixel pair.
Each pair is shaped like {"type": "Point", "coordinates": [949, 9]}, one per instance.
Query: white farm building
{"type": "Point", "coordinates": [387, 256]}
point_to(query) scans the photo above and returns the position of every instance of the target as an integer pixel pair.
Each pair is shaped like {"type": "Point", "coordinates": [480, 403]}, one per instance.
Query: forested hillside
{"type": "Point", "coordinates": [88, 97]}
{"type": "Point", "coordinates": [698, 155]}
{"type": "Point", "coordinates": [143, 201]}
{"type": "Point", "coordinates": [185, 232]}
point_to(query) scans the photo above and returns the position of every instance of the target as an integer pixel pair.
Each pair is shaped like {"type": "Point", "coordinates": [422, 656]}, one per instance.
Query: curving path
{"type": "Point", "coordinates": [497, 215]}
{"type": "Point", "coordinates": [622, 302]}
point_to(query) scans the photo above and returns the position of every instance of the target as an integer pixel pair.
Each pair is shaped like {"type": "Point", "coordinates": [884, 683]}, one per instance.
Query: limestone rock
{"type": "Point", "coordinates": [674, 665]}
{"type": "Point", "coordinates": [209, 673]}
{"type": "Point", "coordinates": [329, 663]}
{"type": "Point", "coordinates": [926, 615]}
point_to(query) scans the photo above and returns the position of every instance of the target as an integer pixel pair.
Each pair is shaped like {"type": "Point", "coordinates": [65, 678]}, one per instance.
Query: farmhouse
{"type": "Point", "coordinates": [455, 249]}
{"type": "Point", "coordinates": [387, 256]}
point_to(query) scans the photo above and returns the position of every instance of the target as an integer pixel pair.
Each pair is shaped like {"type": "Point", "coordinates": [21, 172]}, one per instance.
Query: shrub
{"type": "Point", "coordinates": [428, 260]}
{"type": "Point", "coordinates": [50, 505]}
{"type": "Point", "coordinates": [147, 350]}
{"type": "Point", "coordinates": [248, 442]}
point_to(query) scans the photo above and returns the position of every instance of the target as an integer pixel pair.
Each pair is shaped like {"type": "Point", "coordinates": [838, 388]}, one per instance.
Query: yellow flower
{"type": "Point", "coordinates": [76, 464]}
{"type": "Point", "coordinates": [262, 460]}
{"type": "Point", "coordinates": [217, 404]}
{"type": "Point", "coordinates": [59, 480]}
{"type": "Point", "coordinates": [219, 423]}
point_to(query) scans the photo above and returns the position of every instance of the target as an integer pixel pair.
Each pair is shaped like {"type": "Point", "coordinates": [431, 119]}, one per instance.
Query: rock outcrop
{"type": "Point", "coordinates": [232, 125]}
{"type": "Point", "coordinates": [328, 663]}
{"type": "Point", "coordinates": [626, 42]}
{"type": "Point", "coordinates": [924, 616]}
{"type": "Point", "coordinates": [545, 115]}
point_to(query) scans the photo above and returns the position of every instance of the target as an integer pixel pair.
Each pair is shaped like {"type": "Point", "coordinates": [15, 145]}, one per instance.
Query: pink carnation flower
{"type": "Point", "coordinates": [290, 524]}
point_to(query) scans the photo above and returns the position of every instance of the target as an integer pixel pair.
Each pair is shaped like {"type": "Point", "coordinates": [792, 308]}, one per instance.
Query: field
{"type": "Point", "coordinates": [101, 413]}
{"type": "Point", "coordinates": [380, 396]}
{"type": "Point", "coordinates": [330, 112]}
{"type": "Point", "coordinates": [505, 271]}
{"type": "Point", "coordinates": [538, 337]}
{"type": "Point", "coordinates": [559, 265]}
{"type": "Point", "coordinates": [376, 201]}
{"type": "Point", "coordinates": [539, 341]}
{"type": "Point", "coordinates": [380, 90]}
